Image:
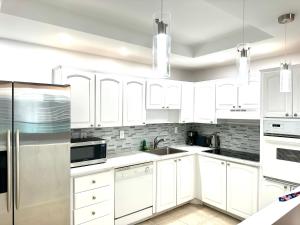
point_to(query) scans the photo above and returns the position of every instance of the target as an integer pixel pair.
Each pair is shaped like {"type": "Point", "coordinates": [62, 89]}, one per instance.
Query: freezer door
{"type": "Point", "coordinates": [5, 154]}
{"type": "Point", "coordinates": [42, 154]}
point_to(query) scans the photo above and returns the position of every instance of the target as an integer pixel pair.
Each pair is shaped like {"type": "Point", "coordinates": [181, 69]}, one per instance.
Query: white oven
{"type": "Point", "coordinates": [280, 150]}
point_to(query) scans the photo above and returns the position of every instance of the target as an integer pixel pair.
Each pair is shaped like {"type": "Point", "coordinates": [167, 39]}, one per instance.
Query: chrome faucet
{"type": "Point", "coordinates": [156, 142]}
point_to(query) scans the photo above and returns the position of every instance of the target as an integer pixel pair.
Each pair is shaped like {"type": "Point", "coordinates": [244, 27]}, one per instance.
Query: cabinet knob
{"type": "Point", "coordinates": [175, 160]}
{"type": "Point", "coordinates": [94, 197]}
{"type": "Point", "coordinates": [183, 121]}
{"type": "Point", "coordinates": [163, 107]}
{"type": "Point", "coordinates": [222, 163]}
{"type": "Point", "coordinates": [92, 125]}
{"type": "Point", "coordinates": [228, 164]}
{"type": "Point", "coordinates": [144, 122]}
{"type": "Point", "coordinates": [99, 125]}
{"type": "Point", "coordinates": [285, 187]}
{"type": "Point", "coordinates": [93, 213]}
{"type": "Point", "coordinates": [179, 160]}
{"type": "Point", "coordinates": [286, 114]}
{"type": "Point", "coordinates": [240, 106]}
{"type": "Point", "coordinates": [295, 114]}
{"type": "Point", "coordinates": [233, 106]}
{"type": "Point", "coordinates": [167, 107]}
{"type": "Point", "coordinates": [93, 182]}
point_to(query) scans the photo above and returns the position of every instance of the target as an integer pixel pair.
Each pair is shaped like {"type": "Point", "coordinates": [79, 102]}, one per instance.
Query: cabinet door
{"type": "Point", "coordinates": [108, 100]}
{"type": "Point", "coordinates": [296, 92]}
{"type": "Point", "coordinates": [249, 96]}
{"type": "Point", "coordinates": [270, 191]}
{"type": "Point", "coordinates": [166, 184]}
{"type": "Point", "coordinates": [155, 94]}
{"type": "Point", "coordinates": [172, 94]}
{"type": "Point", "coordinates": [226, 94]}
{"type": "Point", "coordinates": [242, 189]}
{"type": "Point", "coordinates": [187, 102]}
{"type": "Point", "coordinates": [82, 98]}
{"type": "Point", "coordinates": [205, 102]}
{"type": "Point", "coordinates": [185, 179]}
{"type": "Point", "coordinates": [134, 108]}
{"type": "Point", "coordinates": [275, 103]}
{"type": "Point", "coordinates": [213, 181]}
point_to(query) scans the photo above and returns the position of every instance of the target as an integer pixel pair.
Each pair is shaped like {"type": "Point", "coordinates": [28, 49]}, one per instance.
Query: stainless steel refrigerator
{"type": "Point", "coordinates": [34, 154]}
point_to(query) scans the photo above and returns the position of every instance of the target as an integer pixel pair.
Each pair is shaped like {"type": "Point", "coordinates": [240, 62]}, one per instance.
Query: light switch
{"type": "Point", "coordinates": [122, 134]}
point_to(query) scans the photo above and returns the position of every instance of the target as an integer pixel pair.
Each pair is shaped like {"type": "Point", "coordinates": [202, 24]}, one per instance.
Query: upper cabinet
{"type": "Point", "coordinates": [205, 102]}
{"type": "Point", "coordinates": [82, 95]}
{"type": "Point", "coordinates": [187, 102]}
{"type": "Point", "coordinates": [296, 91]}
{"type": "Point", "coordinates": [275, 103]}
{"type": "Point", "coordinates": [163, 94]}
{"type": "Point", "coordinates": [134, 110]}
{"type": "Point", "coordinates": [108, 100]}
{"type": "Point", "coordinates": [234, 102]}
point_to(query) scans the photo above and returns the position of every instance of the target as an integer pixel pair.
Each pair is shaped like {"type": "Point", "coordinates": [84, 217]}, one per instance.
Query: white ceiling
{"type": "Point", "coordinates": [204, 32]}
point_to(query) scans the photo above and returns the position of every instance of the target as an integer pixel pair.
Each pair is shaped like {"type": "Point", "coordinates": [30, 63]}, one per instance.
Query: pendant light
{"type": "Point", "coordinates": [243, 58]}
{"type": "Point", "coordinates": [161, 44]}
{"type": "Point", "coordinates": [285, 67]}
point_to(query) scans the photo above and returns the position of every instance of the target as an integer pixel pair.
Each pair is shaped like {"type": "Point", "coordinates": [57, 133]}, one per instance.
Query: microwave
{"type": "Point", "coordinates": [87, 151]}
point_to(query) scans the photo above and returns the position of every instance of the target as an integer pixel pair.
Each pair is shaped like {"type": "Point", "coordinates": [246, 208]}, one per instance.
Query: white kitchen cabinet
{"type": "Point", "coordinates": [82, 95]}
{"type": "Point", "coordinates": [205, 102]}
{"type": "Point", "coordinates": [187, 102]}
{"type": "Point", "coordinates": [166, 185]}
{"type": "Point", "coordinates": [213, 181]}
{"type": "Point", "coordinates": [271, 191]}
{"type": "Point", "coordinates": [108, 100]}
{"type": "Point", "coordinates": [163, 94]}
{"type": "Point", "coordinates": [134, 109]}
{"type": "Point", "coordinates": [242, 189]}
{"type": "Point", "coordinates": [175, 182]}
{"type": "Point", "coordinates": [226, 94]}
{"type": "Point", "coordinates": [249, 95]}
{"type": "Point", "coordinates": [275, 103]}
{"type": "Point", "coordinates": [185, 179]}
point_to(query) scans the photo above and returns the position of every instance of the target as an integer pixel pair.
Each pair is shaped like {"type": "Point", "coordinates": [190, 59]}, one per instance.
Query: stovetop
{"type": "Point", "coordinates": [235, 154]}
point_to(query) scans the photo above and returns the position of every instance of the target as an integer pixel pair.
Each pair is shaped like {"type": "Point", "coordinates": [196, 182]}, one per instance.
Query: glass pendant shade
{"type": "Point", "coordinates": [161, 45]}
{"type": "Point", "coordinates": [243, 64]}
{"type": "Point", "coordinates": [285, 78]}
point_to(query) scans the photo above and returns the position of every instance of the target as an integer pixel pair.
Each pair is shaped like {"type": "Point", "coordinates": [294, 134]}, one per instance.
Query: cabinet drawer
{"type": "Point", "coordinates": [92, 197]}
{"type": "Point", "coordinates": [92, 212]}
{"type": "Point", "coordinates": [105, 220]}
{"type": "Point", "coordinates": [93, 181]}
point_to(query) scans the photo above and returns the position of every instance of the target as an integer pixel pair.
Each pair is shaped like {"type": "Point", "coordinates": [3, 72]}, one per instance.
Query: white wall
{"type": "Point", "coordinates": [33, 63]}
{"type": "Point", "coordinates": [256, 66]}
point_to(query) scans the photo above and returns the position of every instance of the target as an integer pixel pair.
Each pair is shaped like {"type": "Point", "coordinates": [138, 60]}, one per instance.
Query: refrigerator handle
{"type": "Point", "coordinates": [9, 175]}
{"type": "Point", "coordinates": [17, 169]}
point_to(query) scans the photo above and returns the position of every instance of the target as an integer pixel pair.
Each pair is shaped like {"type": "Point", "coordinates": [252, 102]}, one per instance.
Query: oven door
{"type": "Point", "coordinates": [88, 155]}
{"type": "Point", "coordinates": [281, 158]}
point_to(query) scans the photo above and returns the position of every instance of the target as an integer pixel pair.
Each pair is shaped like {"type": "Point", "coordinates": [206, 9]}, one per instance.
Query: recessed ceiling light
{"type": "Point", "coordinates": [124, 51]}
{"type": "Point", "coordinates": [65, 39]}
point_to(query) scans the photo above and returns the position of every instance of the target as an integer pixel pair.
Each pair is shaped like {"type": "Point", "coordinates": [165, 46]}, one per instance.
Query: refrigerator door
{"type": "Point", "coordinates": [42, 154]}
{"type": "Point", "coordinates": [6, 208]}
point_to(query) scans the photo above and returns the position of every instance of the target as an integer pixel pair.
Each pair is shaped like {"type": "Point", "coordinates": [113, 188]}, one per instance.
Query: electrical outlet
{"type": "Point", "coordinates": [122, 134]}
{"type": "Point", "coordinates": [176, 130]}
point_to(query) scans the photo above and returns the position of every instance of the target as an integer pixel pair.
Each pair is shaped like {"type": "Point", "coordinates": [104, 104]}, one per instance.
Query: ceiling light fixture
{"type": "Point", "coordinates": [161, 44]}
{"type": "Point", "coordinates": [285, 67]}
{"type": "Point", "coordinates": [243, 58]}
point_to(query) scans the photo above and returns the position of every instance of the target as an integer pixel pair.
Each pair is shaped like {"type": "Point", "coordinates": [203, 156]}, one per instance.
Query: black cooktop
{"type": "Point", "coordinates": [77, 140]}
{"type": "Point", "coordinates": [235, 154]}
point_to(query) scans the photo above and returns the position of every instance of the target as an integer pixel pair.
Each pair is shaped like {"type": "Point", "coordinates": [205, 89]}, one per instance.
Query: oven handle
{"type": "Point", "coordinates": [9, 175]}
{"type": "Point", "coordinates": [17, 169]}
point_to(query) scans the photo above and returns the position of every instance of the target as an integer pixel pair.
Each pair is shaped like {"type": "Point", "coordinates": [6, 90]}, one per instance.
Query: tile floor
{"type": "Point", "coordinates": [192, 215]}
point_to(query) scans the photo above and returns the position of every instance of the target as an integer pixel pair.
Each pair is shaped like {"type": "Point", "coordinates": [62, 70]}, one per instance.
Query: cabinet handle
{"type": "Point", "coordinates": [295, 114]}
{"type": "Point", "coordinates": [93, 213]}
{"type": "Point", "coordinates": [144, 122]}
{"type": "Point", "coordinates": [99, 125]}
{"type": "Point", "coordinates": [94, 198]}
{"type": "Point", "coordinates": [93, 182]}
{"type": "Point", "coordinates": [286, 114]}
{"type": "Point", "coordinates": [163, 107]}
{"type": "Point", "coordinates": [167, 107]}
{"type": "Point", "coordinates": [240, 106]}
{"type": "Point", "coordinates": [222, 163]}
{"type": "Point", "coordinates": [92, 125]}
{"type": "Point", "coordinates": [228, 164]}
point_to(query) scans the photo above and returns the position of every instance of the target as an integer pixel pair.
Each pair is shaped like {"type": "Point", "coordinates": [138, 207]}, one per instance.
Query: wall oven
{"type": "Point", "coordinates": [87, 151]}
{"type": "Point", "coordinates": [280, 150]}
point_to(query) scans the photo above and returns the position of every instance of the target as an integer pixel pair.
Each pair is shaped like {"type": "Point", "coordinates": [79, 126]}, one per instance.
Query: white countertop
{"type": "Point", "coordinates": [143, 157]}
{"type": "Point", "coordinates": [273, 212]}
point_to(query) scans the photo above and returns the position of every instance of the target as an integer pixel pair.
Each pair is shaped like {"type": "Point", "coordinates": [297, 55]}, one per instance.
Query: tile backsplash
{"type": "Point", "coordinates": [135, 135]}
{"type": "Point", "coordinates": [238, 137]}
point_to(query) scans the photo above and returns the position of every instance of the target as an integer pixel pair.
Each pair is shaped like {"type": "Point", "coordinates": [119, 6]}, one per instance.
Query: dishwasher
{"type": "Point", "coordinates": [133, 193]}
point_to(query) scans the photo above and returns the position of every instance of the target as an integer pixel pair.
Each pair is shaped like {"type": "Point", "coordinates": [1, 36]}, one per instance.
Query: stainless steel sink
{"type": "Point", "coordinates": [165, 151]}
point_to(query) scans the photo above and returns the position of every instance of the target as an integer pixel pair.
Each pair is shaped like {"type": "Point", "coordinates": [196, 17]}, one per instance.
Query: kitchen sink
{"type": "Point", "coordinates": [165, 151]}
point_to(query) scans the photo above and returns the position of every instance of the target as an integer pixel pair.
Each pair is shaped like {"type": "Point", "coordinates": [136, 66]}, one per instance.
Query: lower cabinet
{"type": "Point", "coordinates": [229, 186]}
{"type": "Point", "coordinates": [93, 199]}
{"type": "Point", "coordinates": [175, 182]}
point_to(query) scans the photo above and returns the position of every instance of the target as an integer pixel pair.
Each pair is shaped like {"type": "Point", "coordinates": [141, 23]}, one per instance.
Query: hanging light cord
{"type": "Point", "coordinates": [161, 8]}
{"type": "Point", "coordinates": [285, 31]}
{"type": "Point", "coordinates": [243, 22]}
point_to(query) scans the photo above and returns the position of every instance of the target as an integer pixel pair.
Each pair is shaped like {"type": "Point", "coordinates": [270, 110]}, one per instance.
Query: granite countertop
{"type": "Point", "coordinates": [137, 157]}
